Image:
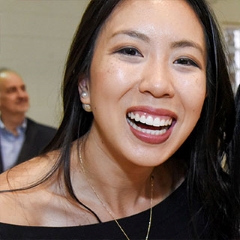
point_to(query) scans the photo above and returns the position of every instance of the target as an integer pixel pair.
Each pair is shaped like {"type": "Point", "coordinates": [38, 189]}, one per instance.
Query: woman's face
{"type": "Point", "coordinates": [147, 80]}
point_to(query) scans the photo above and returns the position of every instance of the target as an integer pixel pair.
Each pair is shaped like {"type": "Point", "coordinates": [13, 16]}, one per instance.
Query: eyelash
{"type": "Point", "coordinates": [186, 61]}
{"type": "Point", "coordinates": [129, 51]}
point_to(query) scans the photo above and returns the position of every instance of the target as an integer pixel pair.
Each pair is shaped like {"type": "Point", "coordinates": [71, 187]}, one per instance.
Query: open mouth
{"type": "Point", "coordinates": [149, 124]}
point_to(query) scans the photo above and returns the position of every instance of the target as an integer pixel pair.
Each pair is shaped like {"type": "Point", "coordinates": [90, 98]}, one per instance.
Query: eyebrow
{"type": "Point", "coordinates": [178, 44]}
{"type": "Point", "coordinates": [134, 34]}
{"type": "Point", "coordinates": [187, 43]}
{"type": "Point", "coordinates": [14, 87]}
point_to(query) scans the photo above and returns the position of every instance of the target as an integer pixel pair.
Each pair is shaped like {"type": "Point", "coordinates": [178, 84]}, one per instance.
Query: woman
{"type": "Point", "coordinates": [148, 116]}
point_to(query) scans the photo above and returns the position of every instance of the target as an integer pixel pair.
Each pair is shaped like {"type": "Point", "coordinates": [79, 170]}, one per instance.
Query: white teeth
{"type": "Point", "coordinates": [156, 122]}
{"type": "Point", "coordinates": [136, 117]}
{"type": "Point", "coordinates": [149, 120]}
{"type": "Point", "coordinates": [162, 122]}
{"type": "Point", "coordinates": [148, 131]}
{"type": "Point", "coordinates": [143, 119]}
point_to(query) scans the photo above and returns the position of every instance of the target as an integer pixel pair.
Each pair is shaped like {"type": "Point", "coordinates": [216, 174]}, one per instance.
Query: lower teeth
{"type": "Point", "coordinates": [148, 131]}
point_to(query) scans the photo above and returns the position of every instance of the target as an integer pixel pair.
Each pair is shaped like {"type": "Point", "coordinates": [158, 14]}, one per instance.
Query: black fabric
{"type": "Point", "coordinates": [36, 138]}
{"type": "Point", "coordinates": [170, 220]}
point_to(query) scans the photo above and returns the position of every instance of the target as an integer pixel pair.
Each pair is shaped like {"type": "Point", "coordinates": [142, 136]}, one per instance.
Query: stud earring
{"type": "Point", "coordinates": [87, 107]}
{"type": "Point", "coordinates": [84, 95]}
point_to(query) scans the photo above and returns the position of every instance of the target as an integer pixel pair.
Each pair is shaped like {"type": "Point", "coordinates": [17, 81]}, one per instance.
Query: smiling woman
{"type": "Point", "coordinates": [148, 116]}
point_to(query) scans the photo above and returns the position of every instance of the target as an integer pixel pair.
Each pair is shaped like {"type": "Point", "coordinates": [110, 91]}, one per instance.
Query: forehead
{"type": "Point", "coordinates": [155, 17]}
{"type": "Point", "coordinates": [10, 79]}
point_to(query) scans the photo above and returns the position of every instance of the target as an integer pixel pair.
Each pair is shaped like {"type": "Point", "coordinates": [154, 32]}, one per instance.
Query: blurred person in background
{"type": "Point", "coordinates": [20, 137]}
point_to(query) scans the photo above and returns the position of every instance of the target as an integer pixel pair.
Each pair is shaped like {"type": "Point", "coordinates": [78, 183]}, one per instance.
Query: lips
{"type": "Point", "coordinates": [148, 127]}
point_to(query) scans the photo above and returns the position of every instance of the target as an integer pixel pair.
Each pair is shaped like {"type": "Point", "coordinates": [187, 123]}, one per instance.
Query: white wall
{"type": "Point", "coordinates": [35, 36]}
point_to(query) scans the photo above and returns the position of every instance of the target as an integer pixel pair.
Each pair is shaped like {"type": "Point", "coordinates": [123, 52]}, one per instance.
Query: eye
{"type": "Point", "coordinates": [186, 61]}
{"type": "Point", "coordinates": [130, 51]}
{"type": "Point", "coordinates": [11, 90]}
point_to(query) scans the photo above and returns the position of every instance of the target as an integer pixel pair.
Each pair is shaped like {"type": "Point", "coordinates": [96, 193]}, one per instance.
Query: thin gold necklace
{"type": "Point", "coordinates": [105, 207]}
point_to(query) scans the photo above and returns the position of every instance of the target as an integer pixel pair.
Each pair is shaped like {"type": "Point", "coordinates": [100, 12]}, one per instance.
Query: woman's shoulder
{"type": "Point", "coordinates": [27, 172]}
{"type": "Point", "coordinates": [19, 203]}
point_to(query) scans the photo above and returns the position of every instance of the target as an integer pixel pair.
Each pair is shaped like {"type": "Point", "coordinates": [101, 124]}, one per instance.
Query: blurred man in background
{"type": "Point", "coordinates": [20, 137]}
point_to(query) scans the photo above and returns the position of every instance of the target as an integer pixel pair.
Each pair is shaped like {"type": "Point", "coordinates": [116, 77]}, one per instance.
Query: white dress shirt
{"type": "Point", "coordinates": [11, 144]}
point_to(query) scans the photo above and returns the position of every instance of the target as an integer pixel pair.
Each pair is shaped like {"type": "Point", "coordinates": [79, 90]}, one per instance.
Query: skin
{"type": "Point", "coordinates": [14, 100]}
{"type": "Point", "coordinates": [154, 68]}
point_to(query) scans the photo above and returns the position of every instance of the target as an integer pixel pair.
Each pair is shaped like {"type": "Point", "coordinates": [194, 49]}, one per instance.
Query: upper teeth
{"type": "Point", "coordinates": [151, 121]}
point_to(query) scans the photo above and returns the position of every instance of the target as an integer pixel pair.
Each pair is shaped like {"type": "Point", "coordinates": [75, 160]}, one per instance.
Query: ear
{"type": "Point", "coordinates": [83, 89]}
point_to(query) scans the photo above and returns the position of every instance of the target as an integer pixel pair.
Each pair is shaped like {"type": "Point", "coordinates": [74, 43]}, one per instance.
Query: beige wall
{"type": "Point", "coordinates": [227, 11]}
{"type": "Point", "coordinates": [35, 36]}
{"type": "Point", "coordinates": [34, 40]}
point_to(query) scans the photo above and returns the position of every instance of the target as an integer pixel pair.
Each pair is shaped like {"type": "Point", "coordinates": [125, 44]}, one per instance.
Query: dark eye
{"type": "Point", "coordinates": [23, 88]}
{"type": "Point", "coordinates": [186, 61]}
{"type": "Point", "coordinates": [11, 90]}
{"type": "Point", "coordinates": [129, 51]}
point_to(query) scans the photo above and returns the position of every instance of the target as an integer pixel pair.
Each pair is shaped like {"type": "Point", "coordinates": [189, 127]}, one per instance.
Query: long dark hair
{"type": "Point", "coordinates": [211, 138]}
{"type": "Point", "coordinates": [207, 145]}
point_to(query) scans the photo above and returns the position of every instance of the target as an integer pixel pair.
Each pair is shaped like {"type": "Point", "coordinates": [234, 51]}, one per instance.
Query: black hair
{"type": "Point", "coordinates": [211, 138]}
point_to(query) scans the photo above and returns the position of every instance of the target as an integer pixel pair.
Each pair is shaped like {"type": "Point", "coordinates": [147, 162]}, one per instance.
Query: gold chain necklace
{"type": "Point", "coordinates": [105, 207]}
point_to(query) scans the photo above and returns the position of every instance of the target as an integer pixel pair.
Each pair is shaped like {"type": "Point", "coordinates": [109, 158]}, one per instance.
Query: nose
{"type": "Point", "coordinates": [22, 93]}
{"type": "Point", "coordinates": [157, 80]}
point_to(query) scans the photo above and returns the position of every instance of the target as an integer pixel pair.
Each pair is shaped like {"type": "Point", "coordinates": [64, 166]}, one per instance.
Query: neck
{"type": "Point", "coordinates": [124, 193]}
{"type": "Point", "coordinates": [12, 122]}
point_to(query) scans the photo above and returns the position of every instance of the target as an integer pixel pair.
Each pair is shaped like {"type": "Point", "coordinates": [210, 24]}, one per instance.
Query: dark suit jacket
{"type": "Point", "coordinates": [37, 136]}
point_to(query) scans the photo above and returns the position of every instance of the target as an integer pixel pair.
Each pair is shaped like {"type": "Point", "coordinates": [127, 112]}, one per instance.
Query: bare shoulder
{"type": "Point", "coordinates": [28, 172]}
{"type": "Point", "coordinates": [17, 207]}
{"type": "Point", "coordinates": [44, 204]}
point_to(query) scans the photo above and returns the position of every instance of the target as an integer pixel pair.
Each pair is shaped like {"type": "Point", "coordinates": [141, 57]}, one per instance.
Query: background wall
{"type": "Point", "coordinates": [227, 11]}
{"type": "Point", "coordinates": [35, 36]}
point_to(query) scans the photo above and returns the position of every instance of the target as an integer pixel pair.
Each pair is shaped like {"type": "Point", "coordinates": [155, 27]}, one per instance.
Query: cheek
{"type": "Point", "coordinates": [111, 78]}
{"type": "Point", "coordinates": [193, 94]}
